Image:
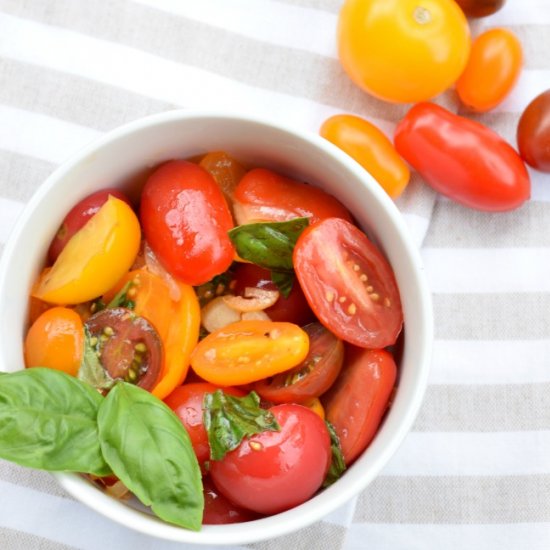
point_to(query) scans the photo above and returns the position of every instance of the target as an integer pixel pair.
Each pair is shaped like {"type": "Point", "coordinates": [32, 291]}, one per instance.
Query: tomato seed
{"type": "Point", "coordinates": [370, 289]}
{"type": "Point", "coordinates": [342, 299]}
{"type": "Point", "coordinates": [255, 445]}
{"type": "Point", "coordinates": [363, 278]}
{"type": "Point", "coordinates": [108, 331]}
{"type": "Point", "coordinates": [140, 347]}
{"type": "Point", "coordinates": [329, 296]}
{"type": "Point", "coordinates": [375, 297]}
{"type": "Point", "coordinates": [352, 309]}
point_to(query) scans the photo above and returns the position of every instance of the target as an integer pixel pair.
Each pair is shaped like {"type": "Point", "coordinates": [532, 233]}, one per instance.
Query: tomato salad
{"type": "Point", "coordinates": [222, 353]}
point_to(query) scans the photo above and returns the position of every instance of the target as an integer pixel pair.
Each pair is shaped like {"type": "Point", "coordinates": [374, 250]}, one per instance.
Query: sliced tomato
{"type": "Point", "coordinates": [311, 378]}
{"type": "Point", "coordinates": [356, 404]}
{"type": "Point", "coordinates": [263, 195]}
{"type": "Point", "coordinates": [349, 285]}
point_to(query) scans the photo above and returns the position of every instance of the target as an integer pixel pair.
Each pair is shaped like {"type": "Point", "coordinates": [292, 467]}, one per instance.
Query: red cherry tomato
{"type": "Point", "coordinates": [275, 471]}
{"type": "Point", "coordinates": [462, 159]}
{"type": "Point", "coordinates": [311, 378]}
{"type": "Point", "coordinates": [293, 309]}
{"type": "Point", "coordinates": [78, 216]}
{"type": "Point", "coordinates": [218, 510]}
{"type": "Point", "coordinates": [263, 195]}
{"type": "Point", "coordinates": [357, 402]}
{"type": "Point", "coordinates": [533, 133]}
{"type": "Point", "coordinates": [186, 401]}
{"type": "Point", "coordinates": [480, 8]}
{"type": "Point", "coordinates": [185, 220]}
{"type": "Point", "coordinates": [348, 283]}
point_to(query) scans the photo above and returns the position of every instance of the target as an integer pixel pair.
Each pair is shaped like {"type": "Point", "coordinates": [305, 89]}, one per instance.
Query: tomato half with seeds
{"type": "Point", "coordinates": [356, 404]}
{"type": "Point", "coordinates": [128, 346]}
{"type": "Point", "coordinates": [311, 378]}
{"type": "Point", "coordinates": [349, 285]}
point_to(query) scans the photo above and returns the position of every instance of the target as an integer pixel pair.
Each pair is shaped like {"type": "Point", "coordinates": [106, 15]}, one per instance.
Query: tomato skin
{"type": "Point", "coordinates": [480, 8]}
{"type": "Point", "coordinates": [368, 145]}
{"type": "Point", "coordinates": [263, 195]}
{"type": "Point", "coordinates": [492, 71]}
{"type": "Point", "coordinates": [293, 309]}
{"type": "Point", "coordinates": [274, 471]}
{"type": "Point", "coordinates": [185, 219]}
{"type": "Point", "coordinates": [403, 50]}
{"type": "Point", "coordinates": [462, 159]}
{"type": "Point", "coordinates": [348, 283]}
{"type": "Point", "coordinates": [219, 510]}
{"type": "Point", "coordinates": [186, 401]}
{"type": "Point", "coordinates": [356, 404]}
{"type": "Point", "coordinates": [533, 134]}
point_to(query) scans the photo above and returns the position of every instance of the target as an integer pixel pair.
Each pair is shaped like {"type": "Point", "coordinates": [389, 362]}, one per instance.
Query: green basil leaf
{"type": "Point", "coordinates": [228, 420]}
{"type": "Point", "coordinates": [148, 448]}
{"type": "Point", "coordinates": [121, 298]}
{"type": "Point", "coordinates": [284, 281]}
{"type": "Point", "coordinates": [91, 370]}
{"type": "Point", "coordinates": [269, 245]}
{"type": "Point", "coordinates": [48, 422]}
{"type": "Point", "coordinates": [337, 466]}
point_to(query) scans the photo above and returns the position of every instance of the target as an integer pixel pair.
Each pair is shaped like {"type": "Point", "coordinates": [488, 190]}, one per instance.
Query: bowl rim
{"type": "Point", "coordinates": [289, 521]}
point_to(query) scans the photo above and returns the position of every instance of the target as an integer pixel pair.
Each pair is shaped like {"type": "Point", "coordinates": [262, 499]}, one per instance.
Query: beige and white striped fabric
{"type": "Point", "coordinates": [475, 471]}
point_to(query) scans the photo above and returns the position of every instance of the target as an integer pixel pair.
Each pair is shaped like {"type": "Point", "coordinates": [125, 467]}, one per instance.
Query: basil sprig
{"type": "Point", "coordinates": [91, 370]}
{"type": "Point", "coordinates": [228, 420]}
{"type": "Point", "coordinates": [337, 465]}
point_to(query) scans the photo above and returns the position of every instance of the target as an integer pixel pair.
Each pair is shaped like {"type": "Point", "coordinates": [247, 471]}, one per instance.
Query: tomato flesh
{"type": "Point", "coordinates": [349, 284]}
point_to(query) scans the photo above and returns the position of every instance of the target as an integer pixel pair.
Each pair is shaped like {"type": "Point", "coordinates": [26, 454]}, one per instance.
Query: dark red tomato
{"type": "Point", "coordinates": [534, 133]}
{"type": "Point", "coordinates": [129, 347]}
{"type": "Point", "coordinates": [356, 404]}
{"type": "Point", "coordinates": [185, 220]}
{"type": "Point", "coordinates": [462, 159]}
{"type": "Point", "coordinates": [78, 216]}
{"type": "Point", "coordinates": [264, 195]}
{"type": "Point", "coordinates": [218, 510]}
{"type": "Point", "coordinates": [348, 283]}
{"type": "Point", "coordinates": [480, 8]}
{"type": "Point", "coordinates": [311, 378]}
{"type": "Point", "coordinates": [186, 401]}
{"type": "Point", "coordinates": [274, 471]}
{"type": "Point", "coordinates": [293, 309]}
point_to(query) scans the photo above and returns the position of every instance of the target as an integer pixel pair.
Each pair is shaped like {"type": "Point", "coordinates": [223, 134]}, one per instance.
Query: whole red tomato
{"type": "Point", "coordinates": [185, 219]}
{"type": "Point", "coordinates": [480, 8]}
{"type": "Point", "coordinates": [534, 133]}
{"type": "Point", "coordinates": [218, 510]}
{"type": "Point", "coordinates": [462, 159]}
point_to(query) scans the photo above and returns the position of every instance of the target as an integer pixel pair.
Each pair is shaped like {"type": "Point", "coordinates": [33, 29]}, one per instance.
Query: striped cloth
{"type": "Point", "coordinates": [475, 470]}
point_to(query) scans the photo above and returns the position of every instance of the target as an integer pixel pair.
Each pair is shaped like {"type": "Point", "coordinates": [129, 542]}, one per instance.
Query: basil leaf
{"type": "Point", "coordinates": [48, 422]}
{"type": "Point", "coordinates": [269, 245]}
{"type": "Point", "coordinates": [148, 448]}
{"type": "Point", "coordinates": [91, 370]}
{"type": "Point", "coordinates": [121, 298]}
{"type": "Point", "coordinates": [284, 281]}
{"type": "Point", "coordinates": [337, 466]}
{"type": "Point", "coordinates": [228, 420]}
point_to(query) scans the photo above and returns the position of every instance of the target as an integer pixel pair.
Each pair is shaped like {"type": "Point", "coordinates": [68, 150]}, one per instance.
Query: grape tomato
{"type": "Point", "coordinates": [533, 133]}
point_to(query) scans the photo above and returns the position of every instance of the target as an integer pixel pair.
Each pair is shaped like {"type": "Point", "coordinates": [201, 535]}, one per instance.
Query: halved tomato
{"type": "Point", "coordinates": [349, 285]}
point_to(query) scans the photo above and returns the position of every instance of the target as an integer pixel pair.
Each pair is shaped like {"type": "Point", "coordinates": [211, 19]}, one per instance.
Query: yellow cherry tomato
{"type": "Point", "coordinates": [95, 258]}
{"type": "Point", "coordinates": [492, 70]}
{"type": "Point", "coordinates": [403, 50]}
{"type": "Point", "coordinates": [55, 340]}
{"type": "Point", "coordinates": [247, 351]}
{"type": "Point", "coordinates": [316, 406]}
{"type": "Point", "coordinates": [368, 145]}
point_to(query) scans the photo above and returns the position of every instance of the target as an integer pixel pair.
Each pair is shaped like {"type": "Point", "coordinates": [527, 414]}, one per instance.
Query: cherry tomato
{"type": "Point", "coordinates": [492, 71]}
{"type": "Point", "coordinates": [480, 8]}
{"type": "Point", "coordinates": [533, 133]}
{"type": "Point", "coordinates": [78, 216]}
{"type": "Point", "coordinates": [403, 50]}
{"type": "Point", "coordinates": [219, 510]}
{"type": "Point", "coordinates": [311, 378]}
{"type": "Point", "coordinates": [348, 283]}
{"type": "Point", "coordinates": [128, 345]}
{"type": "Point", "coordinates": [293, 309]}
{"type": "Point", "coordinates": [175, 318]}
{"type": "Point", "coordinates": [314, 404]}
{"type": "Point", "coordinates": [186, 401]}
{"type": "Point", "coordinates": [462, 159]}
{"type": "Point", "coordinates": [357, 402]}
{"type": "Point", "coordinates": [95, 258]}
{"type": "Point", "coordinates": [274, 471]}
{"type": "Point", "coordinates": [185, 221]}
{"type": "Point", "coordinates": [365, 143]}
{"type": "Point", "coordinates": [263, 195]}
{"type": "Point", "coordinates": [55, 340]}
{"type": "Point", "coordinates": [247, 351]}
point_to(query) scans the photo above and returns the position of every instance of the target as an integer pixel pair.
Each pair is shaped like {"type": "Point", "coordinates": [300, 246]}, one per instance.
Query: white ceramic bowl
{"type": "Point", "coordinates": [124, 154]}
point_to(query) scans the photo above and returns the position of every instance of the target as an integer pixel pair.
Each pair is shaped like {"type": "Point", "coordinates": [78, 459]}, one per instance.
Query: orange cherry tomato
{"type": "Point", "coordinates": [247, 351]}
{"type": "Point", "coordinates": [55, 340]}
{"type": "Point", "coordinates": [403, 50]}
{"type": "Point", "coordinates": [177, 322]}
{"type": "Point", "coordinates": [368, 145]}
{"type": "Point", "coordinates": [492, 70]}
